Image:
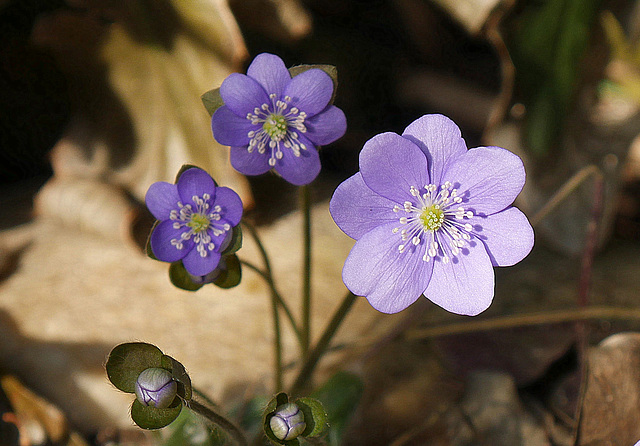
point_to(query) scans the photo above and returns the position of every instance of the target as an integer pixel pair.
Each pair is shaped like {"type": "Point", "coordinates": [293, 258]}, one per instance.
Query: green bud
{"type": "Point", "coordinates": [287, 422]}
{"type": "Point", "coordinates": [156, 387]}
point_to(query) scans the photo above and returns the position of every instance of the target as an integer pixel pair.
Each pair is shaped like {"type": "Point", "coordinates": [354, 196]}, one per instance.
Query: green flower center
{"type": "Point", "coordinates": [275, 126]}
{"type": "Point", "coordinates": [432, 217]}
{"type": "Point", "coordinates": [198, 223]}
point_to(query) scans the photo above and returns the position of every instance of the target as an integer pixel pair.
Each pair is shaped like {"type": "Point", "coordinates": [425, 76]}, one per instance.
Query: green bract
{"type": "Point", "coordinates": [312, 415]}
{"type": "Point", "coordinates": [125, 364]}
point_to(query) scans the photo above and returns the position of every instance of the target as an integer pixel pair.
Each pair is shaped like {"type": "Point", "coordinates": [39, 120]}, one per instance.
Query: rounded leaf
{"type": "Point", "coordinates": [180, 278]}
{"type": "Point", "coordinates": [149, 417]}
{"type": "Point", "coordinates": [314, 415]}
{"type": "Point", "coordinates": [127, 361]}
{"type": "Point", "coordinates": [179, 373]}
{"type": "Point", "coordinates": [231, 275]}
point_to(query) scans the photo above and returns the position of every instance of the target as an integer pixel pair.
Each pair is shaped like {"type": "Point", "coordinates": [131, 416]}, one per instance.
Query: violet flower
{"type": "Point", "coordinates": [274, 121]}
{"type": "Point", "coordinates": [431, 217]}
{"type": "Point", "coordinates": [195, 220]}
{"type": "Point", "coordinates": [156, 387]}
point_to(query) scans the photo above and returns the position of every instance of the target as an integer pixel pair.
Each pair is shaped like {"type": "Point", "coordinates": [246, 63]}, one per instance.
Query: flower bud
{"type": "Point", "coordinates": [287, 422]}
{"type": "Point", "coordinates": [156, 387]}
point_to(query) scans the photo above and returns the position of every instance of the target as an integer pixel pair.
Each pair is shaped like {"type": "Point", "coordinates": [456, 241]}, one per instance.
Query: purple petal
{"type": "Point", "coordinates": [230, 129]}
{"type": "Point", "coordinates": [356, 209]}
{"type": "Point", "coordinates": [389, 279]}
{"type": "Point", "coordinates": [327, 126]}
{"type": "Point", "coordinates": [270, 72]}
{"type": "Point", "coordinates": [440, 140]}
{"type": "Point", "coordinates": [195, 182]}
{"type": "Point", "coordinates": [465, 285]}
{"type": "Point", "coordinates": [491, 178]}
{"type": "Point", "coordinates": [161, 245]}
{"type": "Point", "coordinates": [161, 199]}
{"type": "Point", "coordinates": [299, 170]}
{"type": "Point", "coordinates": [231, 205]}
{"type": "Point", "coordinates": [391, 164]}
{"type": "Point", "coordinates": [507, 236]}
{"type": "Point", "coordinates": [200, 266]}
{"type": "Point", "coordinates": [242, 94]}
{"type": "Point", "coordinates": [253, 163]}
{"type": "Point", "coordinates": [310, 91]}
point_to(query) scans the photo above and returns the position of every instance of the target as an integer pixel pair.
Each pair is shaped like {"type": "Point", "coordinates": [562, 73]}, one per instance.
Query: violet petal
{"type": "Point", "coordinates": [440, 140]}
{"type": "Point", "coordinates": [493, 177]}
{"type": "Point", "coordinates": [270, 72]}
{"type": "Point", "coordinates": [197, 265]}
{"type": "Point", "coordinates": [253, 163]}
{"type": "Point", "coordinates": [161, 245]}
{"type": "Point", "coordinates": [161, 199]}
{"type": "Point", "coordinates": [391, 164]}
{"type": "Point", "coordinates": [507, 236]}
{"type": "Point", "coordinates": [195, 182]}
{"type": "Point", "coordinates": [242, 94]}
{"type": "Point", "coordinates": [327, 126]}
{"type": "Point", "coordinates": [299, 170]}
{"type": "Point", "coordinates": [356, 209]}
{"type": "Point", "coordinates": [465, 285]}
{"type": "Point", "coordinates": [310, 91]}
{"type": "Point", "coordinates": [230, 129]}
{"type": "Point", "coordinates": [231, 205]}
{"type": "Point", "coordinates": [389, 279]}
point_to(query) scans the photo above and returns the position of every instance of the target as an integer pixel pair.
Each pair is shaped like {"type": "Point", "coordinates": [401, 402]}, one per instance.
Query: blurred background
{"type": "Point", "coordinates": [100, 98]}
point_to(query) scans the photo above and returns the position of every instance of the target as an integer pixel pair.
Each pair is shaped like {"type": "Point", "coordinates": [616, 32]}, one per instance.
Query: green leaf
{"type": "Point", "coordinates": [212, 100]}
{"type": "Point", "coordinates": [180, 375]}
{"type": "Point", "coordinates": [236, 241]}
{"type": "Point", "coordinates": [149, 417]}
{"type": "Point", "coordinates": [331, 70]}
{"type": "Point", "coordinates": [127, 361]}
{"type": "Point", "coordinates": [231, 275]}
{"type": "Point", "coordinates": [180, 278]}
{"type": "Point", "coordinates": [315, 417]}
{"type": "Point", "coordinates": [340, 396]}
{"type": "Point", "coordinates": [147, 247]}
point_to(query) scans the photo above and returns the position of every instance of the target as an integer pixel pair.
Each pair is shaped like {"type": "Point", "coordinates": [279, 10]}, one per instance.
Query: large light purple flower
{"type": "Point", "coordinates": [431, 217]}
{"type": "Point", "coordinates": [274, 121]}
{"type": "Point", "coordinates": [195, 220]}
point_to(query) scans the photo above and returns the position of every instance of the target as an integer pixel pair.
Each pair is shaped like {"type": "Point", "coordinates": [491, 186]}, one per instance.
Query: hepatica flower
{"type": "Point", "coordinates": [195, 220]}
{"type": "Point", "coordinates": [273, 121]}
{"type": "Point", "coordinates": [431, 217]}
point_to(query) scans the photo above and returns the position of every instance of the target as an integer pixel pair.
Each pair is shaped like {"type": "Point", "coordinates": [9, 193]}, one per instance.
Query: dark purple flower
{"type": "Point", "coordinates": [274, 121]}
{"type": "Point", "coordinates": [156, 387]}
{"type": "Point", "coordinates": [195, 220]}
{"type": "Point", "coordinates": [431, 217]}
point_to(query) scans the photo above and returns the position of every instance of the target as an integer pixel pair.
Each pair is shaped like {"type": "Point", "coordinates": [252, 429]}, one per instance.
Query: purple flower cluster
{"type": "Point", "coordinates": [273, 121]}
{"type": "Point", "coordinates": [195, 220]}
{"type": "Point", "coordinates": [431, 217]}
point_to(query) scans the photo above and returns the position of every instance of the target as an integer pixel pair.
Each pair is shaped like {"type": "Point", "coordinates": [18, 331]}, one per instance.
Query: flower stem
{"type": "Point", "coordinates": [323, 343]}
{"type": "Point", "coordinates": [305, 207]}
{"type": "Point", "coordinates": [231, 429]}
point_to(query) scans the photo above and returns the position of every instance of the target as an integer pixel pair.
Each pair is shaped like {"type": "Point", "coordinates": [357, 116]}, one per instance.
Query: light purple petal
{"type": "Point", "coordinates": [465, 285]}
{"type": "Point", "coordinates": [242, 94]}
{"type": "Point", "coordinates": [161, 199]}
{"type": "Point", "coordinates": [230, 129]}
{"type": "Point", "coordinates": [253, 163]}
{"type": "Point", "coordinates": [161, 245]}
{"type": "Point", "coordinates": [390, 280]}
{"type": "Point", "coordinates": [299, 170]}
{"type": "Point", "coordinates": [356, 209]}
{"type": "Point", "coordinates": [488, 178]}
{"type": "Point", "coordinates": [507, 236]}
{"type": "Point", "coordinates": [391, 164]}
{"type": "Point", "coordinates": [310, 91]}
{"type": "Point", "coordinates": [270, 72]}
{"type": "Point", "coordinates": [195, 182]}
{"type": "Point", "coordinates": [231, 205]}
{"type": "Point", "coordinates": [440, 139]}
{"type": "Point", "coordinates": [200, 266]}
{"type": "Point", "coordinates": [327, 126]}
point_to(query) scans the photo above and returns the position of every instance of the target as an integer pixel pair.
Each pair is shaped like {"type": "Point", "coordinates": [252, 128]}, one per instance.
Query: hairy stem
{"type": "Point", "coordinates": [305, 207]}
{"type": "Point", "coordinates": [220, 421]}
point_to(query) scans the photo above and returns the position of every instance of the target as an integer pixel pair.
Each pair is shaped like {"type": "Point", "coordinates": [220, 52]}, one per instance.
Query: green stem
{"type": "Point", "coordinates": [277, 295]}
{"type": "Point", "coordinates": [320, 348]}
{"type": "Point", "coordinates": [305, 207]}
{"type": "Point", "coordinates": [231, 429]}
